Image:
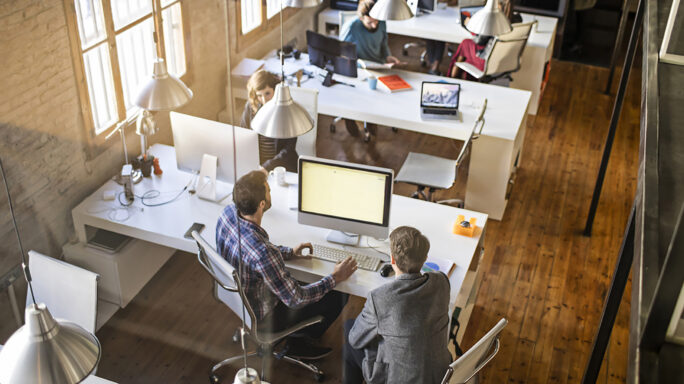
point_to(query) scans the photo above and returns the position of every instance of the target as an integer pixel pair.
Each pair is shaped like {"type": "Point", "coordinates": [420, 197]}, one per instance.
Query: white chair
{"type": "Point", "coordinates": [434, 172]}
{"type": "Point", "coordinates": [227, 288]}
{"type": "Point", "coordinates": [470, 363]}
{"type": "Point", "coordinates": [70, 292]}
{"type": "Point", "coordinates": [307, 98]}
{"type": "Point", "coordinates": [344, 17]}
{"type": "Point", "coordinates": [502, 54]}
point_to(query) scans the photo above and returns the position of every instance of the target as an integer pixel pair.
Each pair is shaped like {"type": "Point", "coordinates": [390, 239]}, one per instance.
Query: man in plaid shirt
{"type": "Point", "coordinates": [279, 301]}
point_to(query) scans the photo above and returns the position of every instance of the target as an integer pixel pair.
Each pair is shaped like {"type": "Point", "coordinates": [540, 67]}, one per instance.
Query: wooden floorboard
{"type": "Point", "coordinates": [539, 272]}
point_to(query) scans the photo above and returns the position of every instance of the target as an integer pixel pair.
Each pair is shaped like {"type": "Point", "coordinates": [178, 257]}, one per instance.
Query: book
{"type": "Point", "coordinates": [393, 83]}
{"type": "Point", "coordinates": [247, 67]}
{"type": "Point", "coordinates": [438, 264]}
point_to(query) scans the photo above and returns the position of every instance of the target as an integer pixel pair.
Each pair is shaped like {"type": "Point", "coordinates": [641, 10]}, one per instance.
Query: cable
{"type": "Point", "coordinates": [153, 194]}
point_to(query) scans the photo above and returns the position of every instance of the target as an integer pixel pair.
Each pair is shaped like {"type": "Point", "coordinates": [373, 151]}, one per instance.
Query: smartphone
{"type": "Point", "coordinates": [194, 227]}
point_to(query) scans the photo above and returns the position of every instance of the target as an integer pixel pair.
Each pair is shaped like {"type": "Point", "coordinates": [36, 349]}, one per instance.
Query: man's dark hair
{"type": "Point", "coordinates": [249, 191]}
{"type": "Point", "coordinates": [409, 248]}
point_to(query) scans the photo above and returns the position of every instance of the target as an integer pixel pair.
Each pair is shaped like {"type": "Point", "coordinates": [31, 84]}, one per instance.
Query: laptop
{"type": "Point", "coordinates": [439, 100]}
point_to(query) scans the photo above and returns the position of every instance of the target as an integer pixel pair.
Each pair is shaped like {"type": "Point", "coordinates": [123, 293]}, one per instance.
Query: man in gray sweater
{"type": "Point", "coordinates": [401, 334]}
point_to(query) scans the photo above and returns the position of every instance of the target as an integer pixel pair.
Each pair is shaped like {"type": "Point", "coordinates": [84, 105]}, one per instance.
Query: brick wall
{"type": "Point", "coordinates": [41, 127]}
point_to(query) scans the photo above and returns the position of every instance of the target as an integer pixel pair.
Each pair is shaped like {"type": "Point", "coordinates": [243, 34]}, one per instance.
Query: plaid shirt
{"type": "Point", "coordinates": [264, 277]}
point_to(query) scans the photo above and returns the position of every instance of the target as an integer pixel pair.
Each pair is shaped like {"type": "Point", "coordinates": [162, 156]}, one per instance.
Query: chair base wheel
{"type": "Point", "coordinates": [395, 130]}
{"type": "Point", "coordinates": [367, 138]}
{"type": "Point", "coordinates": [213, 379]}
{"type": "Point", "coordinates": [319, 377]}
{"type": "Point", "coordinates": [404, 52]}
{"type": "Point", "coordinates": [332, 128]}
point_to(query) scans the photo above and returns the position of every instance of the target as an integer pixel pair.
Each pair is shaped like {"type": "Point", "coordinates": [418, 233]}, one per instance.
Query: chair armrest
{"type": "Point", "coordinates": [269, 338]}
{"type": "Point", "coordinates": [485, 361]}
{"type": "Point", "coordinates": [471, 69]}
{"type": "Point", "coordinates": [211, 272]}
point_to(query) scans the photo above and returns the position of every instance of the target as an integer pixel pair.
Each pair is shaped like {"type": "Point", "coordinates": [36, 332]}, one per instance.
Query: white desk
{"type": "Point", "coordinates": [165, 225]}
{"type": "Point", "coordinates": [444, 24]}
{"type": "Point", "coordinates": [494, 154]}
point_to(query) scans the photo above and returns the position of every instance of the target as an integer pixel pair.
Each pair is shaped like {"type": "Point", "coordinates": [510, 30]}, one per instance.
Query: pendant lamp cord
{"type": "Point", "coordinates": [239, 244]}
{"type": "Point", "coordinates": [282, 56]}
{"type": "Point", "coordinates": [24, 265]}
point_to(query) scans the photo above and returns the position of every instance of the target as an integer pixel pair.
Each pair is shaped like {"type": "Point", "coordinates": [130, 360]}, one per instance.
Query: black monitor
{"type": "Point", "coordinates": [421, 6]}
{"type": "Point", "coordinates": [332, 55]}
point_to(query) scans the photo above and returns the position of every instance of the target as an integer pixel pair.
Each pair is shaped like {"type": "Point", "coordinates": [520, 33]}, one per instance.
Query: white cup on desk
{"type": "Point", "coordinates": [279, 174]}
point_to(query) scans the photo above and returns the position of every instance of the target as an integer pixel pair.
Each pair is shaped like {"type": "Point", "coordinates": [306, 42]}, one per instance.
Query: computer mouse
{"type": "Point", "coordinates": [386, 270]}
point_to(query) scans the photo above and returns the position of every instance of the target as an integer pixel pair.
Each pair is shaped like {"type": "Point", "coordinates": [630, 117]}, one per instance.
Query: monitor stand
{"type": "Point", "coordinates": [340, 237]}
{"type": "Point", "coordinates": [207, 186]}
{"type": "Point", "coordinates": [328, 80]}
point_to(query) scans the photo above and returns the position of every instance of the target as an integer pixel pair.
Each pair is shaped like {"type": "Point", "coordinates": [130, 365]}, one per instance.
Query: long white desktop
{"type": "Point", "coordinates": [165, 225]}
{"type": "Point", "coordinates": [495, 154]}
{"type": "Point", "coordinates": [444, 24]}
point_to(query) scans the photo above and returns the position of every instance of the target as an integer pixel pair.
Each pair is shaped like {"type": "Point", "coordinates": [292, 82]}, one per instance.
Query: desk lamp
{"type": "Point", "coordinates": [281, 117]}
{"type": "Point", "coordinates": [45, 350]}
{"type": "Point", "coordinates": [391, 10]}
{"type": "Point", "coordinates": [489, 21]}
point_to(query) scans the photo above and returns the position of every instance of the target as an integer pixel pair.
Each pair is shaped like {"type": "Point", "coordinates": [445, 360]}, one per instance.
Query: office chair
{"type": "Point", "coordinates": [464, 368]}
{"type": "Point", "coordinates": [69, 291]}
{"type": "Point", "coordinates": [502, 55]}
{"type": "Point", "coordinates": [434, 172]}
{"type": "Point", "coordinates": [228, 289]}
{"type": "Point", "coordinates": [307, 98]}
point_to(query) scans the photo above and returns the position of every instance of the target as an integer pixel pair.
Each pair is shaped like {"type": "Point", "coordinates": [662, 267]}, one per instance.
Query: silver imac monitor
{"type": "Point", "coordinates": [195, 137]}
{"type": "Point", "coordinates": [351, 199]}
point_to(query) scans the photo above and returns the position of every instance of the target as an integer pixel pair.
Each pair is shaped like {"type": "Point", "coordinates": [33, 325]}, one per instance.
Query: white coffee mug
{"type": "Point", "coordinates": [279, 173]}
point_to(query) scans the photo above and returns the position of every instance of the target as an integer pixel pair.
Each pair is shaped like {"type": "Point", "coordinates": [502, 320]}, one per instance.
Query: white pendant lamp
{"type": "Point", "coordinates": [391, 10]}
{"type": "Point", "coordinates": [163, 91]}
{"type": "Point", "coordinates": [489, 21]}
{"type": "Point", "coordinates": [281, 117]}
{"type": "Point", "coordinates": [45, 350]}
{"type": "Point", "coordinates": [301, 3]}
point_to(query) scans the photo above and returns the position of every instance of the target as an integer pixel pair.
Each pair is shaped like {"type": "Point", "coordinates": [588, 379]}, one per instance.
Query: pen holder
{"type": "Point", "coordinates": [463, 227]}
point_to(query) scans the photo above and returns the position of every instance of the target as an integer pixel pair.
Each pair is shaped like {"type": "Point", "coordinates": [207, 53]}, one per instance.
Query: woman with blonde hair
{"type": "Point", "coordinates": [272, 152]}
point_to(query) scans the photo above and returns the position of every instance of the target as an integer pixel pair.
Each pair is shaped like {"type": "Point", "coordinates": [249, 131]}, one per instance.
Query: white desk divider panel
{"type": "Point", "coordinates": [70, 292]}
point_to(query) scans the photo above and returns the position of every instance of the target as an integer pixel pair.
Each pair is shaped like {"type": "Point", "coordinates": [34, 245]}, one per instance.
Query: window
{"type": "Point", "coordinates": [257, 18]}
{"type": "Point", "coordinates": [114, 50]}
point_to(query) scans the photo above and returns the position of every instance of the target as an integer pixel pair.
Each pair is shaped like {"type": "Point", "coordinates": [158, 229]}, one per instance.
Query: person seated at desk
{"type": "Point", "coordinates": [279, 301]}
{"type": "Point", "coordinates": [399, 336]}
{"type": "Point", "coordinates": [370, 37]}
{"type": "Point", "coordinates": [474, 51]}
{"type": "Point", "coordinates": [272, 152]}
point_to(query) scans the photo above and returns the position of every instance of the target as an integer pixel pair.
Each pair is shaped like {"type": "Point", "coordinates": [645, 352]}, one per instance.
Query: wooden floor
{"type": "Point", "coordinates": [539, 271]}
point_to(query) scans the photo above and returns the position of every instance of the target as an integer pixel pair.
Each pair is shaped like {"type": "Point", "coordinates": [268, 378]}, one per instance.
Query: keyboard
{"type": "Point", "coordinates": [336, 255]}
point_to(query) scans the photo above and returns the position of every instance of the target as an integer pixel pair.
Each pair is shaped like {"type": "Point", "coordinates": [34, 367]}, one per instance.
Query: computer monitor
{"type": "Point", "coordinates": [332, 55]}
{"type": "Point", "coordinates": [195, 137]}
{"type": "Point", "coordinates": [345, 197]}
{"type": "Point", "coordinates": [424, 6]}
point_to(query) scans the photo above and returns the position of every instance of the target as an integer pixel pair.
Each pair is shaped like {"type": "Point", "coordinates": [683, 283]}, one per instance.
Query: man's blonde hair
{"type": "Point", "coordinates": [409, 248]}
{"type": "Point", "coordinates": [364, 7]}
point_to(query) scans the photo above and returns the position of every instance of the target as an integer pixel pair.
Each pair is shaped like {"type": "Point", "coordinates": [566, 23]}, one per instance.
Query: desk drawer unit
{"type": "Point", "coordinates": [122, 274]}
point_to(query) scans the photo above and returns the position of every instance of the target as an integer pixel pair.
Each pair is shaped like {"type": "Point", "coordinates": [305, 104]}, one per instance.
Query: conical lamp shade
{"type": "Point", "coordinates": [164, 91]}
{"type": "Point", "coordinates": [391, 10]}
{"type": "Point", "coordinates": [301, 3]}
{"type": "Point", "coordinates": [48, 351]}
{"type": "Point", "coordinates": [489, 21]}
{"type": "Point", "coordinates": [281, 117]}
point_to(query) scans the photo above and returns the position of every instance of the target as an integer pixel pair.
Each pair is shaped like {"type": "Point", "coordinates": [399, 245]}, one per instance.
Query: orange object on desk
{"type": "Point", "coordinates": [459, 229]}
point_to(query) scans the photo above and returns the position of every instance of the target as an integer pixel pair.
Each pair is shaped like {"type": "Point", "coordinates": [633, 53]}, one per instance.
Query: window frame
{"type": "Point", "coordinates": [266, 26]}
{"type": "Point", "coordinates": [95, 143]}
